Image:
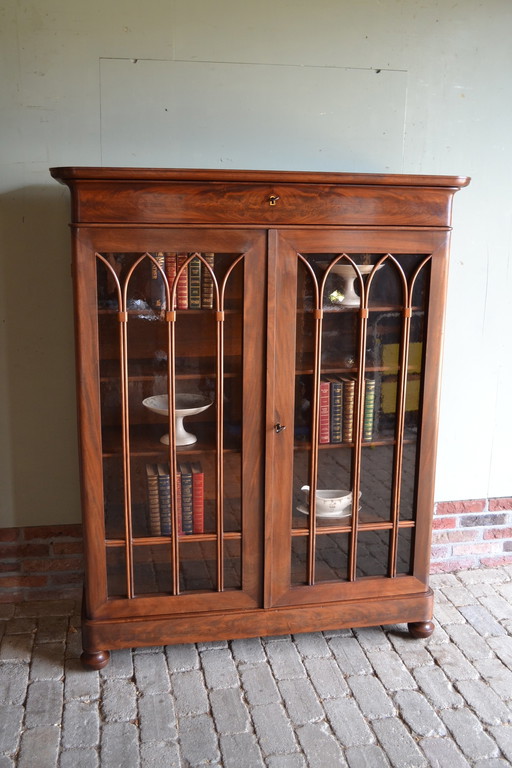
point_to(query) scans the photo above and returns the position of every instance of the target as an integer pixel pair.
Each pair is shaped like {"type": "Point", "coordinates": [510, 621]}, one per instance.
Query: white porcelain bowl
{"type": "Point", "coordinates": [331, 503]}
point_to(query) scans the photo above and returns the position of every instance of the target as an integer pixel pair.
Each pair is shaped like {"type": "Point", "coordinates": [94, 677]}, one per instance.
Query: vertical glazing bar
{"type": "Point", "coordinates": [170, 317]}
{"type": "Point", "coordinates": [358, 431]}
{"type": "Point", "coordinates": [220, 450]}
{"type": "Point", "coordinates": [125, 416]}
{"type": "Point", "coordinates": [315, 442]}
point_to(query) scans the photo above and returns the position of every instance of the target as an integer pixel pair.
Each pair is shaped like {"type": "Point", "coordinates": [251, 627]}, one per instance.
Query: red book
{"type": "Point", "coordinates": [182, 291]}
{"type": "Point", "coordinates": [170, 270]}
{"type": "Point", "coordinates": [325, 421]}
{"type": "Point", "coordinates": [197, 497]}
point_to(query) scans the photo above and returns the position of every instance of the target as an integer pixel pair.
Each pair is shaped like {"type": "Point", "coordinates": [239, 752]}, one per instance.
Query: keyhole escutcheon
{"type": "Point", "coordinates": [273, 199]}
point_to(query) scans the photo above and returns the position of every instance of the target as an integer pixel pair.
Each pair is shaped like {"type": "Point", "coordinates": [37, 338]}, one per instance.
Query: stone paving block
{"type": "Point", "coordinates": [11, 718]}
{"type": "Point", "coordinates": [312, 645]}
{"type": "Point", "coordinates": [391, 670]}
{"type": "Point", "coordinates": [372, 638]}
{"type": "Point", "coordinates": [80, 724]}
{"type": "Point", "coordinates": [157, 717]}
{"type": "Point", "coordinates": [485, 702]}
{"type": "Point", "coordinates": [156, 754]}
{"type": "Point", "coordinates": [21, 626]}
{"type": "Point", "coordinates": [189, 692]}
{"type": "Point", "coordinates": [502, 734]}
{"type": "Point", "coordinates": [437, 688]}
{"type": "Point", "coordinates": [80, 683]}
{"type": "Point", "coordinates": [273, 730]}
{"type": "Point", "coordinates": [400, 747]}
{"type": "Point", "coordinates": [219, 668]}
{"type": "Point", "coordinates": [119, 746]}
{"type": "Point", "coordinates": [79, 758]}
{"type": "Point", "coordinates": [52, 629]}
{"type": "Point", "coordinates": [43, 742]}
{"type": "Point", "coordinates": [459, 595]}
{"type": "Point", "coordinates": [350, 657]}
{"type": "Point", "coordinates": [493, 762]}
{"type": "Point", "coordinates": [74, 644]}
{"type": "Point", "coordinates": [446, 613]}
{"type": "Point", "coordinates": [371, 696]}
{"type": "Point", "coordinates": [418, 714]}
{"type": "Point", "coordinates": [301, 701]}
{"type": "Point", "coordinates": [285, 660]}
{"type": "Point", "coordinates": [259, 685]}
{"type": "Point", "coordinates": [502, 647]}
{"type": "Point", "coordinates": [6, 762]}
{"type": "Point", "coordinates": [240, 750]}
{"type": "Point", "coordinates": [118, 700]}
{"type": "Point", "coordinates": [212, 645]}
{"type": "Point", "coordinates": [497, 675]}
{"type": "Point", "coordinates": [47, 662]}
{"type": "Point", "coordinates": [45, 608]}
{"type": "Point", "coordinates": [443, 753]}
{"type": "Point", "coordinates": [13, 682]}
{"type": "Point", "coordinates": [347, 722]}
{"type": "Point", "coordinates": [248, 650]}
{"type": "Point", "coordinates": [320, 747]}
{"type": "Point", "coordinates": [44, 703]}
{"type": "Point", "coordinates": [198, 740]}
{"type": "Point", "coordinates": [151, 673]}
{"type": "Point", "coordinates": [497, 606]}
{"type": "Point", "coordinates": [481, 620]}
{"type": "Point", "coordinates": [482, 576]}
{"type": "Point", "coordinates": [370, 756]}
{"type": "Point", "coordinates": [7, 611]}
{"type": "Point", "coordinates": [469, 734]}
{"type": "Point", "coordinates": [120, 664]}
{"type": "Point", "coordinates": [16, 647]}
{"type": "Point", "coordinates": [181, 658]}
{"type": "Point", "coordinates": [229, 711]}
{"type": "Point", "coordinates": [286, 761]}
{"type": "Point", "coordinates": [326, 677]}
{"type": "Point", "coordinates": [453, 663]}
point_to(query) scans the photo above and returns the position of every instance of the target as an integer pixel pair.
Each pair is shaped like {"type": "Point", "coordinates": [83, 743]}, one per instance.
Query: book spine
{"type": "Point", "coordinates": [153, 500]}
{"type": "Point", "coordinates": [157, 289]}
{"type": "Point", "coordinates": [194, 284]}
{"type": "Point", "coordinates": [178, 503]}
{"type": "Point", "coordinates": [164, 492]}
{"type": "Point", "coordinates": [198, 498]}
{"type": "Point", "coordinates": [349, 390]}
{"type": "Point", "coordinates": [207, 282]}
{"type": "Point", "coordinates": [182, 290]}
{"type": "Point", "coordinates": [324, 428]}
{"type": "Point", "coordinates": [369, 409]}
{"type": "Point", "coordinates": [170, 269]}
{"type": "Point", "coordinates": [186, 501]}
{"type": "Point", "coordinates": [336, 411]}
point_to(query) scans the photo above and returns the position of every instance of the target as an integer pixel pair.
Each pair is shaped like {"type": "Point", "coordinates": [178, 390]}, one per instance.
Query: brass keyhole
{"type": "Point", "coordinates": [273, 199]}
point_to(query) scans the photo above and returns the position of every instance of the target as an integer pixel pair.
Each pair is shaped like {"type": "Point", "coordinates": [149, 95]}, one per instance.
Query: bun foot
{"type": "Point", "coordinates": [96, 660]}
{"type": "Point", "coordinates": [419, 629]}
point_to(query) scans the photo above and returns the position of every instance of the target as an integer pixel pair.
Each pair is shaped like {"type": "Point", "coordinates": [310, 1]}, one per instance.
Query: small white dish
{"type": "Point", "coordinates": [186, 405]}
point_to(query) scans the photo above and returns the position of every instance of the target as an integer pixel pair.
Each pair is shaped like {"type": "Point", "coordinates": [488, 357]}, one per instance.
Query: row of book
{"type": "Point", "coordinates": [190, 498]}
{"type": "Point", "coordinates": [195, 285]}
{"type": "Point", "coordinates": [337, 397]}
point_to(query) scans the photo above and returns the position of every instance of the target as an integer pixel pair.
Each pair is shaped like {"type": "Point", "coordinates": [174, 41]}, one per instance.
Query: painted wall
{"type": "Point", "coordinates": [392, 85]}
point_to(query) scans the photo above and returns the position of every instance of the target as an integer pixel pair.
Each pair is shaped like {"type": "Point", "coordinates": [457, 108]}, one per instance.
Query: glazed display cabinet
{"type": "Point", "coordinates": [258, 364]}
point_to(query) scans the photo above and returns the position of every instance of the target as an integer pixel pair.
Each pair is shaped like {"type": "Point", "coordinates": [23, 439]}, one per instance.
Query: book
{"type": "Point", "coordinates": [170, 270]}
{"type": "Point", "coordinates": [336, 409]}
{"type": "Point", "coordinates": [207, 282]}
{"type": "Point", "coordinates": [157, 286]}
{"type": "Point", "coordinates": [349, 392]}
{"type": "Point", "coordinates": [369, 408]}
{"type": "Point", "coordinates": [186, 498]}
{"type": "Point", "coordinates": [164, 495]}
{"type": "Point", "coordinates": [197, 497]}
{"type": "Point", "coordinates": [182, 290]}
{"type": "Point", "coordinates": [153, 499]}
{"type": "Point", "coordinates": [324, 412]}
{"type": "Point", "coordinates": [194, 283]}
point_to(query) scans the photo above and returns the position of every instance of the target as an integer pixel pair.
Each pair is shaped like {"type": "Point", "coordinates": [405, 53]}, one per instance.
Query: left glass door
{"type": "Point", "coordinates": [179, 318]}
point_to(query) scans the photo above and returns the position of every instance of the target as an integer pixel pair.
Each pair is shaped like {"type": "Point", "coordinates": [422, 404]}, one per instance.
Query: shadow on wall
{"type": "Point", "coordinates": [38, 444]}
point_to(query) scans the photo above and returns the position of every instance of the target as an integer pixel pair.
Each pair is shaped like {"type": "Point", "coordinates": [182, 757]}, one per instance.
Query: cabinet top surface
{"type": "Point", "coordinates": [71, 174]}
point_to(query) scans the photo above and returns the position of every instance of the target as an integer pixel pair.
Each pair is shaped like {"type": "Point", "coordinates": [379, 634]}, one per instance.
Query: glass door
{"type": "Point", "coordinates": [180, 327]}
{"type": "Point", "coordinates": [358, 352]}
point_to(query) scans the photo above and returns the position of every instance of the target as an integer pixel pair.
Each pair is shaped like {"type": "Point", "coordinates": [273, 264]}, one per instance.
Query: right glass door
{"type": "Point", "coordinates": [361, 322]}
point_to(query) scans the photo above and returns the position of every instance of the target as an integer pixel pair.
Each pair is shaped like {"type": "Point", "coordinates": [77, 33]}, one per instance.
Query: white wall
{"type": "Point", "coordinates": [442, 106]}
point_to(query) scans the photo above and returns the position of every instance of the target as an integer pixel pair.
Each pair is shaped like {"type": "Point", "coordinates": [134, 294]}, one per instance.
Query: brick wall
{"type": "Point", "coordinates": [46, 562]}
{"type": "Point", "coordinates": [40, 563]}
{"type": "Point", "coordinates": [471, 534]}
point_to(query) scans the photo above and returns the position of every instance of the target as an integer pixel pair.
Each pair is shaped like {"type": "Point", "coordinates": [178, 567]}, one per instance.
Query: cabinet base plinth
{"type": "Point", "coordinates": [420, 629]}
{"type": "Point", "coordinates": [96, 660]}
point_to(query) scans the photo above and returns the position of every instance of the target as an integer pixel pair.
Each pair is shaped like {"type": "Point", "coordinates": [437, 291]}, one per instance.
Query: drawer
{"type": "Point", "coordinates": [267, 204]}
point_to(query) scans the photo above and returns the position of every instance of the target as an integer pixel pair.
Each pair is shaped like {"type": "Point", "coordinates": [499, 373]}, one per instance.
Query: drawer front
{"type": "Point", "coordinates": [259, 204]}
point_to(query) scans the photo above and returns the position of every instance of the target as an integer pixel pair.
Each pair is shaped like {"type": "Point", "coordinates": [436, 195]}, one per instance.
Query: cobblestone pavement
{"type": "Point", "coordinates": [359, 698]}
